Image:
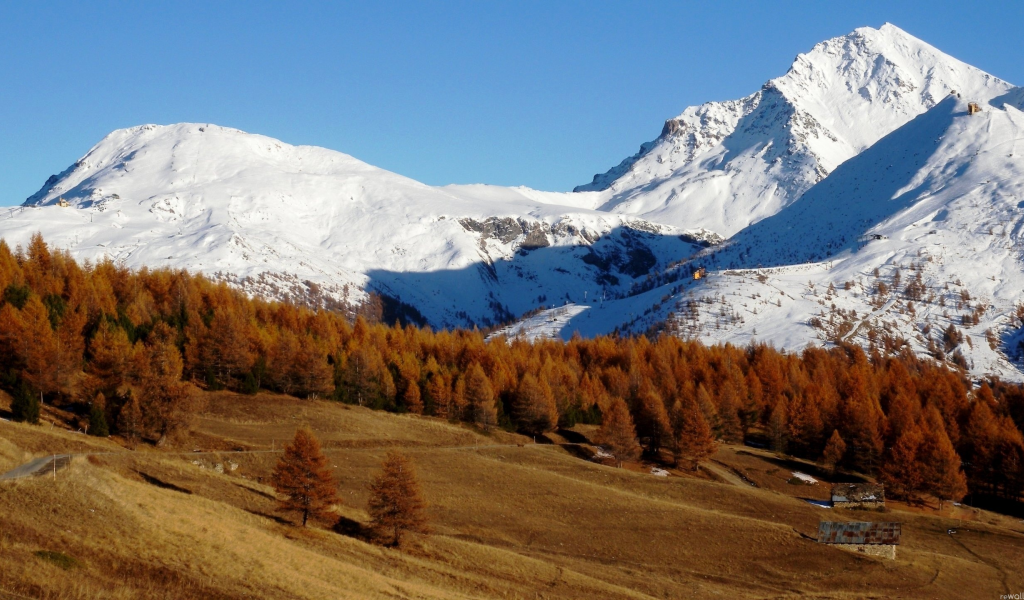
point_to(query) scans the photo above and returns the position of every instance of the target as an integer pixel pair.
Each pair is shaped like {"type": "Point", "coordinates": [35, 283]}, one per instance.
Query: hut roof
{"type": "Point", "coordinates": [857, 532]}
{"type": "Point", "coordinates": [858, 492]}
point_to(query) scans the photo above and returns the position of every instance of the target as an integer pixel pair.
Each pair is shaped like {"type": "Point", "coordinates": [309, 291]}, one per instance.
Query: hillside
{"type": "Point", "coordinates": [859, 159]}
{"type": "Point", "coordinates": [281, 220]}
{"type": "Point", "coordinates": [509, 521]}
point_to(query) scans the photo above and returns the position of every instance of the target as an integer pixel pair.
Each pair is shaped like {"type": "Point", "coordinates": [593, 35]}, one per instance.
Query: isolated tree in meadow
{"type": "Point", "coordinates": [694, 439]}
{"type": "Point", "coordinates": [617, 433]}
{"type": "Point", "coordinates": [534, 407]}
{"type": "Point", "coordinates": [396, 502]}
{"type": "Point", "coordinates": [302, 479]}
{"type": "Point", "coordinates": [480, 397]}
{"type": "Point", "coordinates": [835, 450]}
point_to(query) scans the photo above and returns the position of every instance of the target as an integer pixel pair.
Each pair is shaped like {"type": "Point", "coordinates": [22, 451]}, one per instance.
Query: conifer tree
{"type": "Point", "coordinates": [617, 433]}
{"type": "Point", "coordinates": [778, 426]}
{"type": "Point", "coordinates": [98, 417]}
{"type": "Point", "coordinates": [411, 398]}
{"type": "Point", "coordinates": [25, 404]}
{"type": "Point", "coordinates": [901, 472]}
{"type": "Point", "coordinates": [302, 479]}
{"type": "Point", "coordinates": [480, 397]}
{"type": "Point", "coordinates": [534, 407]}
{"type": "Point", "coordinates": [129, 421]}
{"type": "Point", "coordinates": [396, 503]}
{"type": "Point", "coordinates": [167, 402]}
{"type": "Point", "coordinates": [940, 464]}
{"type": "Point", "coordinates": [653, 424]}
{"type": "Point", "coordinates": [835, 450]}
{"type": "Point", "coordinates": [694, 439]}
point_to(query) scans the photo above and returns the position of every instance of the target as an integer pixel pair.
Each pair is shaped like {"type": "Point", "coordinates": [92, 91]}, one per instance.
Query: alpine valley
{"type": "Point", "coordinates": [857, 198]}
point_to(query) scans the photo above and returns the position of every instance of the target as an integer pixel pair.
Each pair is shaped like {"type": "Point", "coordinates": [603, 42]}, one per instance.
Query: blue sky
{"type": "Point", "coordinates": [542, 94]}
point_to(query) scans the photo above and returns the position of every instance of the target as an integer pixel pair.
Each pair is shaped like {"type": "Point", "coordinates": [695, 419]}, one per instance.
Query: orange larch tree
{"type": "Point", "coordinates": [302, 479]}
{"type": "Point", "coordinates": [396, 502]}
{"type": "Point", "coordinates": [617, 433]}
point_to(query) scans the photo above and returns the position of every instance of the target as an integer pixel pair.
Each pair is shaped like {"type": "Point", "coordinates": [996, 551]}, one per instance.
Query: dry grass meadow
{"type": "Point", "coordinates": [511, 519]}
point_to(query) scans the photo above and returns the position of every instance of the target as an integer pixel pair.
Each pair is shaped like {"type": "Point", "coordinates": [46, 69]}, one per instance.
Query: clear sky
{"type": "Point", "coordinates": [543, 94]}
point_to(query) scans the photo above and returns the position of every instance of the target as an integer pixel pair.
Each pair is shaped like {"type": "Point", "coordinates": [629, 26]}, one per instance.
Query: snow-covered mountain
{"type": "Point", "coordinates": [293, 220]}
{"type": "Point", "coordinates": [724, 165]}
{"type": "Point", "coordinates": [918, 241]}
{"type": "Point", "coordinates": [852, 199]}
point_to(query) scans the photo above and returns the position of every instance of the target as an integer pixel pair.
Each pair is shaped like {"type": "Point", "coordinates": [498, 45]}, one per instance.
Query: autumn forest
{"type": "Point", "coordinates": [129, 351]}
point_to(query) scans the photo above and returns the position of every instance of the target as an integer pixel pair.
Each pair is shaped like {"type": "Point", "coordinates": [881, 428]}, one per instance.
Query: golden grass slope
{"type": "Point", "coordinates": [510, 521]}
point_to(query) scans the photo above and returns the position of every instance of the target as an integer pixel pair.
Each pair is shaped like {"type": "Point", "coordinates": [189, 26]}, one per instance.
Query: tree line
{"type": "Point", "coordinates": [129, 350]}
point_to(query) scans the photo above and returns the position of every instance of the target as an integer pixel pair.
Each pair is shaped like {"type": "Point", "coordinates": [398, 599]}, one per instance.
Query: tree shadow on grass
{"type": "Point", "coordinates": [257, 492]}
{"type": "Point", "coordinates": [809, 468]}
{"type": "Point", "coordinates": [573, 437]}
{"type": "Point", "coordinates": [275, 518]}
{"type": "Point", "coordinates": [353, 529]}
{"type": "Point", "coordinates": [163, 484]}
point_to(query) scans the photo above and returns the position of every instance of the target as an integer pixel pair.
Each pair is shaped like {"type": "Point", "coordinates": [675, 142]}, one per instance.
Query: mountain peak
{"type": "Point", "coordinates": [721, 166]}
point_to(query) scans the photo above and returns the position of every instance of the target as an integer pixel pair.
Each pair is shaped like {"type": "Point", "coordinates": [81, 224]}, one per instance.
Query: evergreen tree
{"type": "Point", "coordinates": [396, 503]}
{"type": "Point", "coordinates": [98, 417]}
{"type": "Point", "coordinates": [249, 384]}
{"type": "Point", "coordinates": [25, 405]}
{"type": "Point", "coordinates": [302, 479]}
{"type": "Point", "coordinates": [617, 433]}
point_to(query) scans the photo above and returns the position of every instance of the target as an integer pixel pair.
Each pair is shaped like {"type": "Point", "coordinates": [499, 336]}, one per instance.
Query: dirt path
{"type": "Point", "coordinates": [38, 467]}
{"type": "Point", "coordinates": [1002, 574]}
{"type": "Point", "coordinates": [725, 473]}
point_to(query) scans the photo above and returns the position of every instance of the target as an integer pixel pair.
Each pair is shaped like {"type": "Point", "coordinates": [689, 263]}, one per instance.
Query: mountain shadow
{"type": "Point", "coordinates": [493, 292]}
{"type": "Point", "coordinates": [831, 217]}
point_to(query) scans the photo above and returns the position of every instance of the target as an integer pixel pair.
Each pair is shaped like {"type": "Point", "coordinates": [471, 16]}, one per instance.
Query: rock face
{"type": "Point", "coordinates": [724, 165]}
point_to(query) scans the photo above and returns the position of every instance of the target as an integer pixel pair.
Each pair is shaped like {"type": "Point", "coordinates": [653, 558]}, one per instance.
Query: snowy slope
{"type": "Point", "coordinates": [271, 217]}
{"type": "Point", "coordinates": [723, 165]}
{"type": "Point", "coordinates": [934, 212]}
{"type": "Point", "coordinates": [861, 203]}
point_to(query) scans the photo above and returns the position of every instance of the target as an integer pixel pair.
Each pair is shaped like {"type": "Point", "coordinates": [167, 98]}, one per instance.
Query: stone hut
{"type": "Point", "coordinates": [858, 495]}
{"type": "Point", "coordinates": [874, 539]}
{"type": "Point", "coordinates": [972, 108]}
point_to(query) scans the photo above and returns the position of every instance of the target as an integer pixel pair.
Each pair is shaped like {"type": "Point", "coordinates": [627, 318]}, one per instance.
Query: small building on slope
{"type": "Point", "coordinates": [875, 539]}
{"type": "Point", "coordinates": [858, 495]}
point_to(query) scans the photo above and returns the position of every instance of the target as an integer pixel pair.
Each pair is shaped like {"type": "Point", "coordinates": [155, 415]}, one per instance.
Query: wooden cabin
{"type": "Point", "coordinates": [972, 107]}
{"type": "Point", "coordinates": [874, 539]}
{"type": "Point", "coordinates": [858, 495]}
